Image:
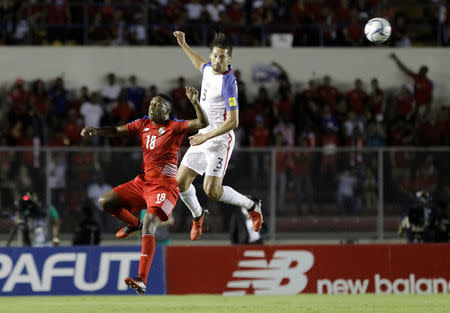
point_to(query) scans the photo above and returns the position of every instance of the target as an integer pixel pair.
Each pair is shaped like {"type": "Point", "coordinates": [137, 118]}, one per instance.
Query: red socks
{"type": "Point", "coordinates": [126, 216]}
{"type": "Point", "coordinates": [148, 250]}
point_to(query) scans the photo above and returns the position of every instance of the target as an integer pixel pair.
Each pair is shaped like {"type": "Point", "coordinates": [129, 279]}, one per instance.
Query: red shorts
{"type": "Point", "coordinates": [152, 191]}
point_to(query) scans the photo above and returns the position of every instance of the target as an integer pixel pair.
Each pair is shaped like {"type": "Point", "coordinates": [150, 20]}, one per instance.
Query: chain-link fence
{"type": "Point", "coordinates": [305, 192]}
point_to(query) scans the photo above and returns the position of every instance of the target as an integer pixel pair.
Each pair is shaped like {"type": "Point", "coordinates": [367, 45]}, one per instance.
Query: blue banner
{"type": "Point", "coordinates": [76, 270]}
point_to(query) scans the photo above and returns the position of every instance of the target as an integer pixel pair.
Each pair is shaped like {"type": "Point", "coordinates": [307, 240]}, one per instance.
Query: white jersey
{"type": "Point", "coordinates": [218, 95]}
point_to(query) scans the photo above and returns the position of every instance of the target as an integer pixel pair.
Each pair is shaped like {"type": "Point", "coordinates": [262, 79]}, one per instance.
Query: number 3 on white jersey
{"type": "Point", "coordinates": [160, 197]}
{"type": "Point", "coordinates": [151, 142]}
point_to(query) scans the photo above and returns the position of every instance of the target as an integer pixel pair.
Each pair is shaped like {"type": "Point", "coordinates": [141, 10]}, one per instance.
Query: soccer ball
{"type": "Point", "coordinates": [377, 30]}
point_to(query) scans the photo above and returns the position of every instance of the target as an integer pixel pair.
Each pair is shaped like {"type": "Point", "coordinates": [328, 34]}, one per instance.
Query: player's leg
{"type": "Point", "coordinates": [212, 185]}
{"type": "Point", "coordinates": [118, 202]}
{"type": "Point", "coordinates": [193, 164]}
{"type": "Point", "coordinates": [217, 163]}
{"type": "Point", "coordinates": [110, 202]}
{"type": "Point", "coordinates": [150, 224]}
{"type": "Point", "coordinates": [185, 177]}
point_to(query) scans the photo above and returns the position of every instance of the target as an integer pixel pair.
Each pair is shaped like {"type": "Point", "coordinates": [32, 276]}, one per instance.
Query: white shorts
{"type": "Point", "coordinates": [210, 158]}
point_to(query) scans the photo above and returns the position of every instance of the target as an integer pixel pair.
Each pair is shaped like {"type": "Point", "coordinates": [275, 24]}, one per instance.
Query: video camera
{"type": "Point", "coordinates": [27, 206]}
{"type": "Point", "coordinates": [423, 222]}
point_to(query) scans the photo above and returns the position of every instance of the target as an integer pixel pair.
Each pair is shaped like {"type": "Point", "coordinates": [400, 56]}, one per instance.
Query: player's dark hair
{"type": "Point", "coordinates": [221, 41]}
{"type": "Point", "coordinates": [148, 99]}
{"type": "Point", "coordinates": [167, 99]}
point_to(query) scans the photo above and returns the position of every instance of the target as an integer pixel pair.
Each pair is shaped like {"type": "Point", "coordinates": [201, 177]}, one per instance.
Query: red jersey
{"type": "Point", "coordinates": [160, 142]}
{"type": "Point", "coordinates": [423, 88]}
{"type": "Point", "coordinates": [356, 101]}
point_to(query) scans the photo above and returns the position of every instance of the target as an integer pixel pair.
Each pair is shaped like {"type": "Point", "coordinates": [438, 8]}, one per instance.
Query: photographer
{"type": "Point", "coordinates": [26, 207]}
{"type": "Point", "coordinates": [423, 222]}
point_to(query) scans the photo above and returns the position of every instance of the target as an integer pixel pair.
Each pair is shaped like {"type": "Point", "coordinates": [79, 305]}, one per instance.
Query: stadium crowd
{"type": "Point", "coordinates": [317, 115]}
{"type": "Point", "coordinates": [125, 22]}
{"type": "Point", "coordinates": [46, 113]}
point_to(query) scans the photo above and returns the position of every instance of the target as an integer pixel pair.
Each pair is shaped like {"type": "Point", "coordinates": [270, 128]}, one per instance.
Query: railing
{"type": "Point", "coordinates": [358, 193]}
{"type": "Point", "coordinates": [83, 28]}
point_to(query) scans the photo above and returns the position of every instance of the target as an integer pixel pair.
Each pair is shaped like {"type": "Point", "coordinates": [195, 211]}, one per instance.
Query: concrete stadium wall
{"type": "Point", "coordinates": [162, 65]}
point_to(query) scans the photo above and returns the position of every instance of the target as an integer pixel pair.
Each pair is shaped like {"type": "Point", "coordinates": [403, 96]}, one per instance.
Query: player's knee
{"type": "Point", "coordinates": [150, 223]}
{"type": "Point", "coordinates": [213, 192]}
{"type": "Point", "coordinates": [183, 184]}
{"type": "Point", "coordinates": [105, 203]}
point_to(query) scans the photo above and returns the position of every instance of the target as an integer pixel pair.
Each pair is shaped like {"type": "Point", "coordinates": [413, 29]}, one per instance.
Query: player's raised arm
{"type": "Point", "coordinates": [401, 65]}
{"type": "Point", "coordinates": [202, 119]}
{"type": "Point", "coordinates": [195, 58]}
{"type": "Point", "coordinates": [108, 131]}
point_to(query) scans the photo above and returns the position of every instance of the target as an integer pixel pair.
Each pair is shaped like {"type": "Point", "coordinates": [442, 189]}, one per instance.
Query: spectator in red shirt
{"type": "Point", "coordinates": [423, 87]}
{"type": "Point", "coordinates": [39, 99]}
{"type": "Point", "coordinates": [283, 105]}
{"type": "Point", "coordinates": [312, 92]}
{"type": "Point", "coordinates": [300, 13]}
{"type": "Point", "coordinates": [329, 94]}
{"type": "Point", "coordinates": [353, 30]}
{"type": "Point", "coordinates": [301, 170]}
{"type": "Point", "coordinates": [72, 128]}
{"type": "Point", "coordinates": [259, 137]}
{"type": "Point", "coordinates": [179, 98]}
{"type": "Point", "coordinates": [431, 132]}
{"type": "Point", "coordinates": [404, 103]}
{"type": "Point", "coordinates": [17, 101]}
{"type": "Point", "coordinates": [282, 164]}
{"type": "Point", "coordinates": [343, 12]}
{"type": "Point", "coordinates": [58, 15]}
{"type": "Point", "coordinates": [123, 111]}
{"type": "Point", "coordinates": [376, 100]}
{"type": "Point", "coordinates": [357, 100]}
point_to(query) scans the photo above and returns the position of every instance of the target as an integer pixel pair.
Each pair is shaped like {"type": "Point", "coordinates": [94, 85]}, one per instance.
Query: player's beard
{"type": "Point", "coordinates": [217, 68]}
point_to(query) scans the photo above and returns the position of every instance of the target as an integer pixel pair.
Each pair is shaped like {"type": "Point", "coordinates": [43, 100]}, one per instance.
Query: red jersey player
{"type": "Point", "coordinates": [156, 189]}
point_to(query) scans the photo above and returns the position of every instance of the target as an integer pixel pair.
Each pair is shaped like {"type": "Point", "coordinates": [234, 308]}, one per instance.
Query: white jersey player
{"type": "Point", "coordinates": [211, 148]}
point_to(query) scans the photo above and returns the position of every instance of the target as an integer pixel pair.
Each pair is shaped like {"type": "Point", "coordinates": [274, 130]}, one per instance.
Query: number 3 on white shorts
{"type": "Point", "coordinates": [160, 197]}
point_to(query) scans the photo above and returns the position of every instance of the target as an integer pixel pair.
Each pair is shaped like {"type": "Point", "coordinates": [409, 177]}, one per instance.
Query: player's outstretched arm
{"type": "Point", "coordinates": [202, 119]}
{"type": "Point", "coordinates": [195, 58]}
{"type": "Point", "coordinates": [401, 65]}
{"type": "Point", "coordinates": [108, 131]}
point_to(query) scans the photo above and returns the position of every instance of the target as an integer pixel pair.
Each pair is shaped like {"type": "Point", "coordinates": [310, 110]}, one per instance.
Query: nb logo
{"type": "Point", "coordinates": [284, 274]}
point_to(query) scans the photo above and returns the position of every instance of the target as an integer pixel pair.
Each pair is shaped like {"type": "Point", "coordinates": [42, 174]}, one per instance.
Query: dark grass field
{"type": "Point", "coordinates": [236, 304]}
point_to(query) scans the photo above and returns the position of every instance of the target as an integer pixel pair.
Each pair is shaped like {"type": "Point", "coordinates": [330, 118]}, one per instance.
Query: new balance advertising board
{"type": "Point", "coordinates": [324, 269]}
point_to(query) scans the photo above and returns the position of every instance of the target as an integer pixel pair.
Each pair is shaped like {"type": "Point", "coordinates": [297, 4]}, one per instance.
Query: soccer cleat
{"type": "Point", "coordinates": [197, 225]}
{"type": "Point", "coordinates": [125, 231]}
{"type": "Point", "coordinates": [255, 214]}
{"type": "Point", "coordinates": [137, 284]}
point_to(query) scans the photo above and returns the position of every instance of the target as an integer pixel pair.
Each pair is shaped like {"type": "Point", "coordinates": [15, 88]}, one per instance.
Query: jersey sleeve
{"type": "Point", "coordinates": [134, 127]}
{"type": "Point", "coordinates": [181, 126]}
{"type": "Point", "coordinates": [230, 92]}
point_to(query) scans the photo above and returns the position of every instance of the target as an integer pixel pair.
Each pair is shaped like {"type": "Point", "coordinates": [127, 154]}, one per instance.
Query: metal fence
{"type": "Point", "coordinates": [305, 192]}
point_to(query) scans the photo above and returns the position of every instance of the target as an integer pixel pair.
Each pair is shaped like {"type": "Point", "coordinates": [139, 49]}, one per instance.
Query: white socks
{"type": "Point", "coordinates": [231, 196]}
{"type": "Point", "coordinates": [190, 199]}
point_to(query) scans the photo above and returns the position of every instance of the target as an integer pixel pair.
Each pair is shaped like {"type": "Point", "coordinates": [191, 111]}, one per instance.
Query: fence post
{"type": "Point", "coordinates": [48, 194]}
{"type": "Point", "coordinates": [380, 217]}
{"type": "Point", "coordinates": [273, 195]}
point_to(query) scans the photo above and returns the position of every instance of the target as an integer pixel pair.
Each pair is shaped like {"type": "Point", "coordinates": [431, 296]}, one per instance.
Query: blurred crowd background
{"type": "Point", "coordinates": [249, 23]}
